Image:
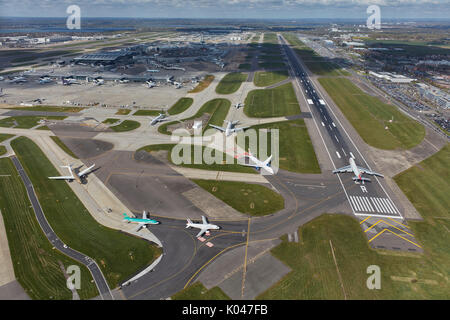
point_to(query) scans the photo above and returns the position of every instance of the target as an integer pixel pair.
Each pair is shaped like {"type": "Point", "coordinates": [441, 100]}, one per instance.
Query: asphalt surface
{"type": "Point", "coordinates": [370, 199]}
{"type": "Point", "coordinates": [97, 275]}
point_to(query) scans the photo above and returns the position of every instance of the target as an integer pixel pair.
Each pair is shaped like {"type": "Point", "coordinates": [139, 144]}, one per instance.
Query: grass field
{"type": "Point", "coordinates": [251, 199]}
{"type": "Point", "coordinates": [4, 136]}
{"type": "Point", "coordinates": [272, 65]}
{"type": "Point", "coordinates": [197, 291]}
{"type": "Point", "coordinates": [245, 66]}
{"type": "Point", "coordinates": [2, 150]}
{"type": "Point", "coordinates": [123, 112]}
{"type": "Point", "coordinates": [49, 109]}
{"type": "Point", "coordinates": [180, 106]}
{"type": "Point", "coordinates": [230, 83]}
{"type": "Point", "coordinates": [295, 147]}
{"type": "Point", "coordinates": [36, 264]}
{"type": "Point", "coordinates": [369, 116]}
{"type": "Point", "coordinates": [276, 102]}
{"type": "Point", "coordinates": [26, 122]}
{"type": "Point", "coordinates": [232, 167]}
{"type": "Point", "coordinates": [147, 113]}
{"type": "Point", "coordinates": [126, 125]}
{"type": "Point", "coordinates": [119, 255]}
{"type": "Point", "coordinates": [314, 273]}
{"type": "Point", "coordinates": [202, 85]}
{"type": "Point", "coordinates": [264, 79]}
{"type": "Point", "coordinates": [427, 186]}
{"type": "Point", "coordinates": [110, 121]}
{"type": "Point", "coordinates": [63, 146]}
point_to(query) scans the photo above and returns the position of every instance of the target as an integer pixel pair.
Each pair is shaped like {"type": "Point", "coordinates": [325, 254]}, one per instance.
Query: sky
{"type": "Point", "coordinates": [257, 9]}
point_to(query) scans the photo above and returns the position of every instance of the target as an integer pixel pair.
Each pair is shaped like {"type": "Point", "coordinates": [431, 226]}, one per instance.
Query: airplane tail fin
{"type": "Point", "coordinates": [268, 160]}
{"type": "Point", "coordinates": [188, 223]}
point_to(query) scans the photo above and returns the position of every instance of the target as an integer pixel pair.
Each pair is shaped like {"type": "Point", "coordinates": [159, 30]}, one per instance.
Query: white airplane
{"type": "Point", "coordinates": [99, 81]}
{"type": "Point", "coordinates": [230, 128]}
{"type": "Point", "coordinates": [238, 105]}
{"type": "Point", "coordinates": [124, 80]}
{"type": "Point", "coordinates": [152, 70]}
{"type": "Point", "coordinates": [204, 226]}
{"type": "Point", "coordinates": [258, 164]}
{"type": "Point", "coordinates": [18, 80]}
{"type": "Point", "coordinates": [177, 84]}
{"type": "Point", "coordinates": [1, 92]}
{"type": "Point", "coordinates": [44, 80]}
{"type": "Point", "coordinates": [161, 117]}
{"type": "Point", "coordinates": [150, 84]}
{"type": "Point", "coordinates": [69, 81]}
{"type": "Point", "coordinates": [358, 171]}
{"type": "Point", "coordinates": [78, 175]}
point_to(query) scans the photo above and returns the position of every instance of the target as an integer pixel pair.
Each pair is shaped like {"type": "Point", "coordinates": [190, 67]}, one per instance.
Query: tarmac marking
{"type": "Point", "coordinates": [245, 260]}
{"type": "Point", "coordinates": [399, 223]}
{"type": "Point", "coordinates": [209, 261]}
{"type": "Point", "coordinates": [373, 225]}
{"type": "Point", "coordinates": [373, 238]}
{"type": "Point", "coordinates": [365, 219]}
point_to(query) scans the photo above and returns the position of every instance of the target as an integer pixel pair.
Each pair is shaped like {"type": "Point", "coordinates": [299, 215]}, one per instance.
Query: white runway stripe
{"type": "Point", "coordinates": [363, 205]}
{"type": "Point", "coordinates": [385, 209]}
{"type": "Point", "coordinates": [366, 200]}
{"type": "Point", "coordinates": [354, 203]}
{"type": "Point", "coordinates": [377, 208]}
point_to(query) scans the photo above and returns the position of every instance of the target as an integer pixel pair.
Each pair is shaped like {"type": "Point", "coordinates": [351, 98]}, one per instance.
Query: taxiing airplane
{"type": "Point", "coordinates": [204, 226]}
{"type": "Point", "coordinates": [142, 222]}
{"type": "Point", "coordinates": [358, 171]}
{"type": "Point", "coordinates": [258, 164]}
{"type": "Point", "coordinates": [78, 176]}
{"type": "Point", "coordinates": [238, 105]}
{"type": "Point", "coordinates": [161, 117]}
{"type": "Point", "coordinates": [230, 128]}
{"type": "Point", "coordinates": [177, 85]}
{"type": "Point", "coordinates": [150, 84]}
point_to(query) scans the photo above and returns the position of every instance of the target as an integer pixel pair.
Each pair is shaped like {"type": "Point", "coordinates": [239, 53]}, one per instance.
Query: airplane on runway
{"type": "Point", "coordinates": [78, 175]}
{"type": "Point", "coordinates": [204, 226]}
{"type": "Point", "coordinates": [358, 171]}
{"type": "Point", "coordinates": [230, 128]}
{"type": "Point", "coordinates": [142, 222]}
{"type": "Point", "coordinates": [161, 117]}
{"type": "Point", "coordinates": [238, 105]}
{"type": "Point", "coordinates": [258, 164]}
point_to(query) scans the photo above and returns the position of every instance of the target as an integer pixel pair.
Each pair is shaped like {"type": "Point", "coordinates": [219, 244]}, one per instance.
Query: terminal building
{"type": "Point", "coordinates": [104, 57]}
{"type": "Point", "coordinates": [396, 78]}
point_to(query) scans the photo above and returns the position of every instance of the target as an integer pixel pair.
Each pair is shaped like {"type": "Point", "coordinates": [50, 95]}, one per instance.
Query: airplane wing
{"type": "Point", "coordinates": [373, 173]}
{"type": "Point", "coordinates": [62, 178]}
{"type": "Point", "coordinates": [204, 220]}
{"type": "Point", "coordinates": [218, 128]}
{"type": "Point", "coordinates": [240, 129]}
{"type": "Point", "coordinates": [139, 227]}
{"type": "Point", "coordinates": [86, 171]}
{"type": "Point", "coordinates": [343, 169]}
{"type": "Point", "coordinates": [201, 232]}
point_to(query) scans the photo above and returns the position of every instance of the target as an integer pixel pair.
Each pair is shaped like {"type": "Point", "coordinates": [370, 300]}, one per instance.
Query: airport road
{"type": "Point", "coordinates": [373, 199]}
{"type": "Point", "coordinates": [97, 275]}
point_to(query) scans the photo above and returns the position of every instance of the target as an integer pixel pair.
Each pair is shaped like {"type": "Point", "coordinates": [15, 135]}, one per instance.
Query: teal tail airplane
{"type": "Point", "coordinates": [142, 222]}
